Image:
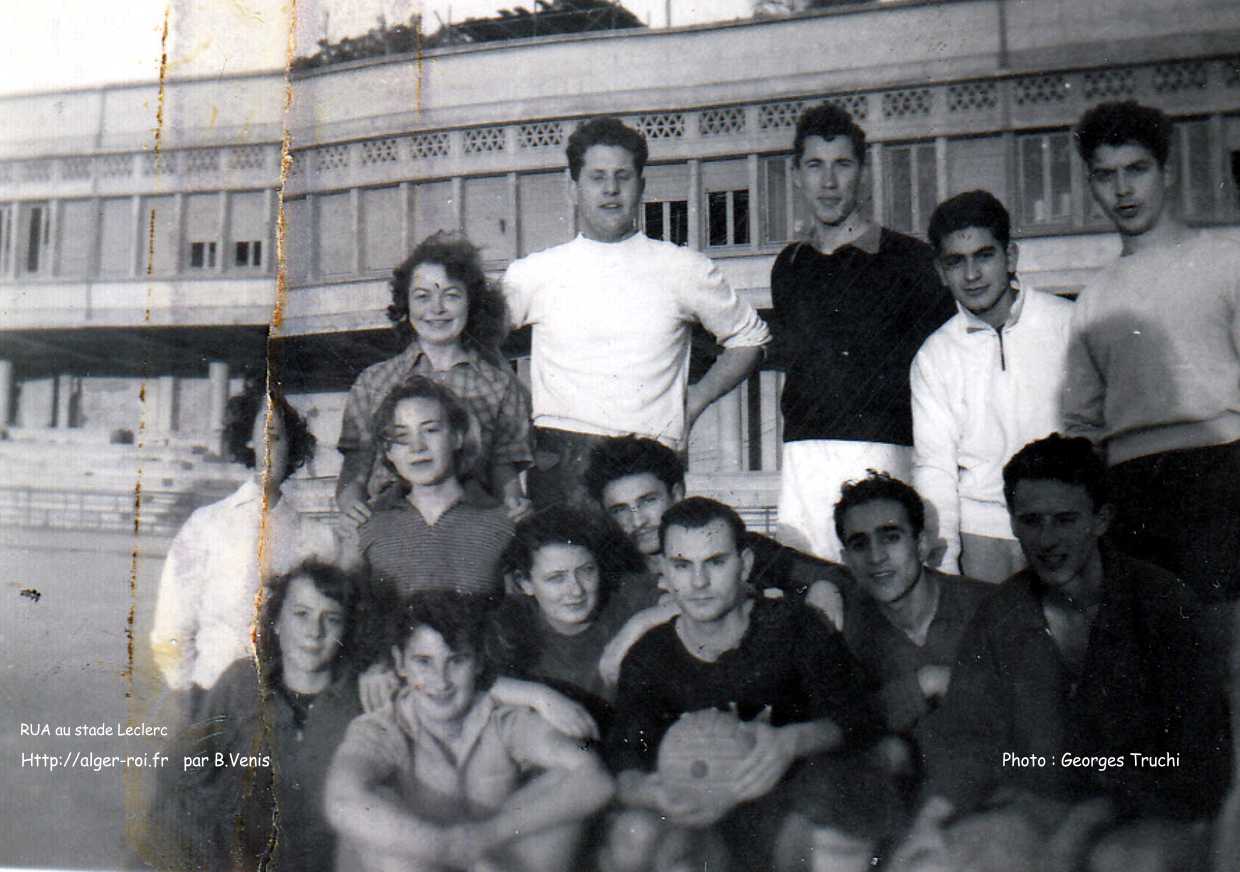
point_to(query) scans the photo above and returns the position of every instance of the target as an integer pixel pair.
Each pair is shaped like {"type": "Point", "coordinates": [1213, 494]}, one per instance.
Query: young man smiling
{"type": "Point", "coordinates": [906, 622]}
{"type": "Point", "coordinates": [852, 303]}
{"type": "Point", "coordinates": [612, 315]}
{"type": "Point", "coordinates": [1154, 361]}
{"type": "Point", "coordinates": [984, 384]}
{"type": "Point", "coordinates": [1085, 652]}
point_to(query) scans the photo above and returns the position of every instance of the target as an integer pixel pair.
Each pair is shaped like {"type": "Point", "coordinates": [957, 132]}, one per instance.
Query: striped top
{"type": "Point", "coordinates": [460, 551]}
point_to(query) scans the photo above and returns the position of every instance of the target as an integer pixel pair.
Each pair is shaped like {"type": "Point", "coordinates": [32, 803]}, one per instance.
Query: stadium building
{"type": "Point", "coordinates": [139, 222]}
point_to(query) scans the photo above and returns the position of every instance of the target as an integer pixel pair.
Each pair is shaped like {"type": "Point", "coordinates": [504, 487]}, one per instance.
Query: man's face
{"type": "Point", "coordinates": [269, 442]}
{"type": "Point", "coordinates": [608, 192]}
{"type": "Point", "coordinates": [705, 571]}
{"type": "Point", "coordinates": [637, 503]}
{"type": "Point", "coordinates": [422, 444]}
{"type": "Point", "coordinates": [442, 680]}
{"type": "Point", "coordinates": [977, 270]}
{"type": "Point", "coordinates": [438, 305]}
{"type": "Point", "coordinates": [564, 580]}
{"type": "Point", "coordinates": [1058, 528]}
{"type": "Point", "coordinates": [310, 627]}
{"type": "Point", "coordinates": [882, 551]}
{"type": "Point", "coordinates": [1130, 186]}
{"type": "Point", "coordinates": [828, 176]}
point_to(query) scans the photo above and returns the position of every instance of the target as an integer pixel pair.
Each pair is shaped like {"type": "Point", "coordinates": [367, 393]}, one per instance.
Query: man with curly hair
{"type": "Point", "coordinates": [612, 315]}
{"type": "Point", "coordinates": [1154, 359]}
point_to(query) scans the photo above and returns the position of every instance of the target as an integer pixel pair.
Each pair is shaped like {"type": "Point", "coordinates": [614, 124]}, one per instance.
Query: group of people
{"type": "Point", "coordinates": [978, 643]}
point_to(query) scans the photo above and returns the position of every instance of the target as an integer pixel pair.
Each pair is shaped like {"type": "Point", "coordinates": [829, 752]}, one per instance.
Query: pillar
{"type": "Point", "coordinates": [217, 377]}
{"type": "Point", "coordinates": [6, 392]}
{"type": "Point", "coordinates": [64, 401]}
{"type": "Point", "coordinates": [731, 442]}
{"type": "Point", "coordinates": [165, 412]}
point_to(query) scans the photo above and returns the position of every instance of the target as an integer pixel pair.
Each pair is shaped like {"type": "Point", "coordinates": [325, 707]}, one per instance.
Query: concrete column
{"type": "Point", "coordinates": [217, 375]}
{"type": "Point", "coordinates": [6, 392]}
{"type": "Point", "coordinates": [165, 412]}
{"type": "Point", "coordinates": [772, 432]}
{"type": "Point", "coordinates": [64, 400]}
{"type": "Point", "coordinates": [731, 454]}
{"type": "Point", "coordinates": [695, 204]}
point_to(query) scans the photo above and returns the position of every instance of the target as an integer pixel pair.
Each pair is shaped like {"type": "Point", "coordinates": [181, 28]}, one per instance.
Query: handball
{"type": "Point", "coordinates": [701, 753]}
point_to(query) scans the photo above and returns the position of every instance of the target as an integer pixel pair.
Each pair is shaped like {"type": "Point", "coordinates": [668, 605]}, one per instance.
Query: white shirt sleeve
{"type": "Point", "coordinates": [936, 440]}
{"type": "Point", "coordinates": [518, 289]}
{"type": "Point", "coordinates": [708, 299]}
{"type": "Point", "coordinates": [175, 627]}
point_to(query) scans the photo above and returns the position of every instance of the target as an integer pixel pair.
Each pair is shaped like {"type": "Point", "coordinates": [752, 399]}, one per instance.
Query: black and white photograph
{"type": "Point", "coordinates": [620, 436]}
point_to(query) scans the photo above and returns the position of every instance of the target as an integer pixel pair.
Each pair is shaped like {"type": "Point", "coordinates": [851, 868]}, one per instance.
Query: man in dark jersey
{"type": "Point", "coordinates": [786, 675]}
{"type": "Point", "coordinates": [853, 303]}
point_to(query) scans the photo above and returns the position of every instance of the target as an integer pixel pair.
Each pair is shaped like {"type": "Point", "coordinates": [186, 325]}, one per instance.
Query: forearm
{"type": "Point", "coordinates": [637, 789]}
{"type": "Point", "coordinates": [354, 472]}
{"type": "Point", "coordinates": [552, 798]}
{"type": "Point", "coordinates": [812, 737]}
{"type": "Point", "coordinates": [729, 369]}
{"type": "Point", "coordinates": [379, 823]}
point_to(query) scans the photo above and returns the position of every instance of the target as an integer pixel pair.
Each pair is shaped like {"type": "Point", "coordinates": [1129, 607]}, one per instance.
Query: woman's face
{"type": "Point", "coordinates": [310, 628]}
{"type": "Point", "coordinates": [564, 580]}
{"type": "Point", "coordinates": [269, 442]}
{"type": "Point", "coordinates": [438, 305]}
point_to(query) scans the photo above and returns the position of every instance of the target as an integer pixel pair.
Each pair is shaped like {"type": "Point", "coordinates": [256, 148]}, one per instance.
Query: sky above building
{"type": "Point", "coordinates": [58, 44]}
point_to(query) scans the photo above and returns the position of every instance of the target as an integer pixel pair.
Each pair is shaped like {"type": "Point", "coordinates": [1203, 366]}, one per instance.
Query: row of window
{"type": "Point", "coordinates": [745, 204]}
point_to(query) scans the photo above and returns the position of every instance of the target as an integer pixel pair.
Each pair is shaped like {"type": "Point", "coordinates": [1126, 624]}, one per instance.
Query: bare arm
{"type": "Point", "coordinates": [360, 809]}
{"type": "Point", "coordinates": [558, 710]}
{"type": "Point", "coordinates": [729, 369]}
{"type": "Point", "coordinates": [572, 786]}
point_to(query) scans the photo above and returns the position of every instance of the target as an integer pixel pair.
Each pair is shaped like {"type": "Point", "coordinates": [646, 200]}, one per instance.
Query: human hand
{"type": "Point", "coordinates": [358, 512]}
{"type": "Point", "coordinates": [377, 686]}
{"type": "Point", "coordinates": [824, 597]}
{"type": "Point", "coordinates": [686, 808]}
{"type": "Point", "coordinates": [518, 507]}
{"type": "Point", "coordinates": [933, 680]}
{"type": "Point", "coordinates": [773, 752]}
{"type": "Point", "coordinates": [568, 717]}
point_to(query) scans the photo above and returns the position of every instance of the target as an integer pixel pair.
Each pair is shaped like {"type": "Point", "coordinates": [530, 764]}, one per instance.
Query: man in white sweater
{"type": "Point", "coordinates": [612, 315]}
{"type": "Point", "coordinates": [984, 384]}
{"type": "Point", "coordinates": [1154, 360]}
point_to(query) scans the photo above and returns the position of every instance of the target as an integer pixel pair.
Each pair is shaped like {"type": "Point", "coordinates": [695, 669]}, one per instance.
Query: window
{"type": "Point", "coordinates": [27, 235]}
{"type": "Point", "coordinates": [159, 235]}
{"type": "Point", "coordinates": [202, 255]}
{"type": "Point", "coordinates": [975, 163]}
{"type": "Point", "coordinates": [77, 234]}
{"type": "Point", "coordinates": [248, 253]}
{"type": "Point", "coordinates": [381, 226]}
{"type": "Point", "coordinates": [298, 252]}
{"type": "Point", "coordinates": [488, 217]}
{"type": "Point", "coordinates": [911, 182]}
{"type": "Point", "coordinates": [544, 214]}
{"type": "Point", "coordinates": [433, 209]}
{"type": "Point", "coordinates": [335, 239]}
{"type": "Point", "coordinates": [249, 228]}
{"type": "Point", "coordinates": [774, 199]}
{"type": "Point", "coordinates": [6, 237]}
{"type": "Point", "coordinates": [728, 217]}
{"type": "Point", "coordinates": [1045, 174]}
{"type": "Point", "coordinates": [116, 236]}
{"type": "Point", "coordinates": [668, 221]}
{"type": "Point", "coordinates": [1193, 155]}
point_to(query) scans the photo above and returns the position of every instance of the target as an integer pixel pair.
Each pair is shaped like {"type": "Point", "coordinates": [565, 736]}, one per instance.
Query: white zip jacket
{"type": "Point", "coordinates": [979, 396]}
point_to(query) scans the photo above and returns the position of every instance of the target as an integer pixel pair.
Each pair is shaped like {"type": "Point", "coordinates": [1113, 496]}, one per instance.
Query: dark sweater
{"type": "Point", "coordinates": [846, 327]}
{"type": "Point", "coordinates": [1143, 688]}
{"type": "Point", "coordinates": [788, 659]}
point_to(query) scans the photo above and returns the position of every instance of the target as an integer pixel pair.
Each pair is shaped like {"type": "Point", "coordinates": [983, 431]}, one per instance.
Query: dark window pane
{"type": "Point", "coordinates": [900, 182]}
{"type": "Point", "coordinates": [679, 230]}
{"type": "Point", "coordinates": [210, 254]}
{"type": "Point", "coordinates": [36, 231]}
{"type": "Point", "coordinates": [654, 220]}
{"type": "Point", "coordinates": [740, 217]}
{"type": "Point", "coordinates": [256, 250]}
{"type": "Point", "coordinates": [718, 210]}
{"type": "Point", "coordinates": [775, 208]}
{"type": "Point", "coordinates": [197, 254]}
{"type": "Point", "coordinates": [243, 254]}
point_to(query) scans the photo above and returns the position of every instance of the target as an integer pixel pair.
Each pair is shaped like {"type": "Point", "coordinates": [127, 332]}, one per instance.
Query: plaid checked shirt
{"type": "Point", "coordinates": [495, 397]}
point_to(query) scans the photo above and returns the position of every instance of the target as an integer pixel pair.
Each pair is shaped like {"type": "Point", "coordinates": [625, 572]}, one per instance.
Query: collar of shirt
{"type": "Point", "coordinates": [250, 492]}
{"type": "Point", "coordinates": [974, 324]}
{"type": "Point", "coordinates": [869, 241]}
{"type": "Point", "coordinates": [417, 360]}
{"type": "Point", "coordinates": [460, 744]}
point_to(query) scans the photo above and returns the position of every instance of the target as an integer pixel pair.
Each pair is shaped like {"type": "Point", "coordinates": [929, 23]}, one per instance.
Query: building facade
{"type": "Point", "coordinates": [141, 228]}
